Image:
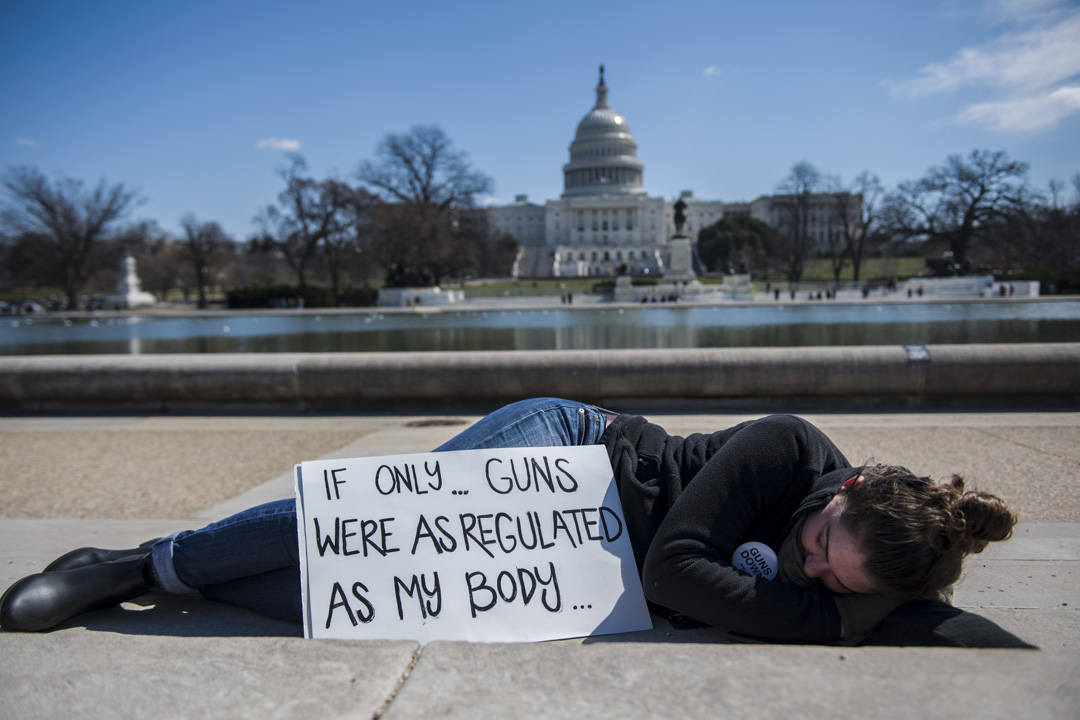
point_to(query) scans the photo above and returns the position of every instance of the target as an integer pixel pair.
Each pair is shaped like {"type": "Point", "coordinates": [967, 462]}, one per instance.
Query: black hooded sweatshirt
{"type": "Point", "coordinates": [690, 502]}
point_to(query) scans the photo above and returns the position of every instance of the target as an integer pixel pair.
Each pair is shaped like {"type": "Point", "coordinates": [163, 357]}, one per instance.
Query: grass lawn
{"type": "Point", "coordinates": [872, 269]}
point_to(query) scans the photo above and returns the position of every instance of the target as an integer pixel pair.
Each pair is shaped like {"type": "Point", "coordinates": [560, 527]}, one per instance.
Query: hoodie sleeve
{"type": "Point", "coordinates": [751, 484]}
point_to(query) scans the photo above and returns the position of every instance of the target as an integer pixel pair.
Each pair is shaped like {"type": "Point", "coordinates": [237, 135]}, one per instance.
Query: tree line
{"type": "Point", "coordinates": [409, 217]}
{"type": "Point", "coordinates": [974, 212]}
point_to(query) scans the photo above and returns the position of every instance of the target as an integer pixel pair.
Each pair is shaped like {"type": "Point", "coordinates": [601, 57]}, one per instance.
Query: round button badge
{"type": "Point", "coordinates": [757, 559]}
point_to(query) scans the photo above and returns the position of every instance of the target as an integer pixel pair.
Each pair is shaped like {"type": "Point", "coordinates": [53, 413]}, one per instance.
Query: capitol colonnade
{"type": "Point", "coordinates": [604, 223]}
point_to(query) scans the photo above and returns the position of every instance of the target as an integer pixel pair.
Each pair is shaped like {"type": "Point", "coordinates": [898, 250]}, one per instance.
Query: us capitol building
{"type": "Point", "coordinates": [604, 223]}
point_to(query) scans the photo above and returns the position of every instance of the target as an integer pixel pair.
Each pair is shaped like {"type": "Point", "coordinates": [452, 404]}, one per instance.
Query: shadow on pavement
{"type": "Point", "coordinates": [180, 617]}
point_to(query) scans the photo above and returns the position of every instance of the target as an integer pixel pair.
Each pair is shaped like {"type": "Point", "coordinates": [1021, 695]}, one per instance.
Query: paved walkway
{"type": "Point", "coordinates": [115, 481]}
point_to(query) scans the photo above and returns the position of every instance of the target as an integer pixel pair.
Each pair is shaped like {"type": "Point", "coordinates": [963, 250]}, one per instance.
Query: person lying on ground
{"type": "Point", "coordinates": [863, 554]}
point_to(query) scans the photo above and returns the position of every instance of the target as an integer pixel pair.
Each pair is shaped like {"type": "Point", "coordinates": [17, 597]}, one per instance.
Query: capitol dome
{"type": "Point", "coordinates": [602, 119]}
{"type": "Point", "coordinates": [603, 155]}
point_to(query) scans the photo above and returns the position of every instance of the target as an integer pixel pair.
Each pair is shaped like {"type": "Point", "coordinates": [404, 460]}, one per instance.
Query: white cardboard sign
{"type": "Point", "coordinates": [499, 545]}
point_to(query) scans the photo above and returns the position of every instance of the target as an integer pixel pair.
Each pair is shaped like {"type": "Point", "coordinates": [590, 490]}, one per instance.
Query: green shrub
{"type": "Point", "coordinates": [287, 296]}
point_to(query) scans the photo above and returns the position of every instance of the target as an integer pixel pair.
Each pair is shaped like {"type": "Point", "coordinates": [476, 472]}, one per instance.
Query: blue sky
{"type": "Point", "coordinates": [195, 104]}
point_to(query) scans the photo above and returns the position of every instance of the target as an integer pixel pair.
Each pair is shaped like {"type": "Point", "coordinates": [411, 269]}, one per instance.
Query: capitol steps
{"type": "Point", "coordinates": [536, 262]}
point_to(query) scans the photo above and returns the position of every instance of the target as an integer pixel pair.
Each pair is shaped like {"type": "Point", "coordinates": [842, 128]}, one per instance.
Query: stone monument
{"type": "Point", "coordinates": [680, 252]}
{"type": "Point", "coordinates": [129, 293]}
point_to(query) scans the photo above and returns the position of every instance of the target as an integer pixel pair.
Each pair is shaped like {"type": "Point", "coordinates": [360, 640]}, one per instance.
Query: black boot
{"type": "Point", "coordinates": [45, 600]}
{"type": "Point", "coordinates": [92, 556]}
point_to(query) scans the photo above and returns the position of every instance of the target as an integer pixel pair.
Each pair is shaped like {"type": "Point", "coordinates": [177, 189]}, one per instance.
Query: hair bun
{"type": "Point", "coordinates": [917, 532]}
{"type": "Point", "coordinates": [984, 518]}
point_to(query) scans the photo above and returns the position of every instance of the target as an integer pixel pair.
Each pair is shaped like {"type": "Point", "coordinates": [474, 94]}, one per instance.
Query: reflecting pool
{"type": "Point", "coordinates": [591, 327]}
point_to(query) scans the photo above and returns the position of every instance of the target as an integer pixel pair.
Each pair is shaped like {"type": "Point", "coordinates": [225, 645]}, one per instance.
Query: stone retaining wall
{"type": "Point", "coordinates": [368, 381]}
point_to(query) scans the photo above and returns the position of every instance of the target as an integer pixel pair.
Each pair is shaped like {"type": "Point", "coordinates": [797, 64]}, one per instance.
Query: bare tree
{"type": "Point", "coordinates": [1057, 229]}
{"type": "Point", "coordinates": [1057, 188]}
{"type": "Point", "coordinates": [794, 199]}
{"type": "Point", "coordinates": [348, 236]}
{"type": "Point", "coordinates": [203, 241]}
{"type": "Point", "coordinates": [306, 213]}
{"type": "Point", "coordinates": [1071, 243]}
{"type": "Point", "coordinates": [414, 243]}
{"type": "Point", "coordinates": [955, 202]}
{"type": "Point", "coordinates": [857, 217]}
{"type": "Point", "coordinates": [1019, 238]}
{"type": "Point", "coordinates": [423, 168]}
{"type": "Point", "coordinates": [425, 184]}
{"type": "Point", "coordinates": [842, 219]}
{"type": "Point", "coordinates": [64, 220]}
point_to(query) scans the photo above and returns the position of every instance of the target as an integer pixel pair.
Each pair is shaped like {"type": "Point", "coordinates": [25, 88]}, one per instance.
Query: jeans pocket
{"type": "Point", "coordinates": [583, 418]}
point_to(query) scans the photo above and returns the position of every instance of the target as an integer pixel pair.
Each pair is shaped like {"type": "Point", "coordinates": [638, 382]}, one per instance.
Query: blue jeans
{"type": "Point", "coordinates": [252, 558]}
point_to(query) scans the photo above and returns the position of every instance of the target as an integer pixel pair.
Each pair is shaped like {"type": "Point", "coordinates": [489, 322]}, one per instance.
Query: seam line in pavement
{"type": "Point", "coordinates": [1013, 441]}
{"type": "Point", "coordinates": [400, 684]}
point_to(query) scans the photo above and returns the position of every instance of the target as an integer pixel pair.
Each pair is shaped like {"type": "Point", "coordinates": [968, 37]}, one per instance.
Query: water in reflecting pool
{"type": "Point", "coordinates": [792, 325]}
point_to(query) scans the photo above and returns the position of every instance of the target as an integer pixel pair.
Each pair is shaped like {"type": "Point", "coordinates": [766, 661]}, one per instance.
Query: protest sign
{"type": "Point", "coordinates": [497, 545]}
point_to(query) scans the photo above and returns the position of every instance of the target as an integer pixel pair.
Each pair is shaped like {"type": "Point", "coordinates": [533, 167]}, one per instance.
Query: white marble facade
{"type": "Point", "coordinates": [605, 224]}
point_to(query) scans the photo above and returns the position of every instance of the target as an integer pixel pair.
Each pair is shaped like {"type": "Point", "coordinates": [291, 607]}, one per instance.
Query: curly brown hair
{"type": "Point", "coordinates": [916, 533]}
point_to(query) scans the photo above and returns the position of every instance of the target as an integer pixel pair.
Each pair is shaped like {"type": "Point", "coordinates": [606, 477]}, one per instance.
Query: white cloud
{"type": "Point", "coordinates": [1018, 10]}
{"type": "Point", "coordinates": [1028, 65]}
{"type": "Point", "coordinates": [711, 71]}
{"type": "Point", "coordinates": [26, 142]}
{"type": "Point", "coordinates": [1027, 60]}
{"type": "Point", "coordinates": [1024, 114]}
{"type": "Point", "coordinates": [488, 200]}
{"type": "Point", "coordinates": [273, 143]}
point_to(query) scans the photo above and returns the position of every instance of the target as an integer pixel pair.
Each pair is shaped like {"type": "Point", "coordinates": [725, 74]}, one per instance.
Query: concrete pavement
{"type": "Point", "coordinates": [115, 481]}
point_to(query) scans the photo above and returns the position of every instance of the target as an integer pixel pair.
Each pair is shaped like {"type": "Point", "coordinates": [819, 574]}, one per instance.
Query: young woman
{"type": "Point", "coordinates": [859, 554]}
